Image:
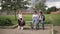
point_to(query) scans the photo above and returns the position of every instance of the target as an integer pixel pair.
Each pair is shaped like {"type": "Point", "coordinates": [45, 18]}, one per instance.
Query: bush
{"type": "Point", "coordinates": [5, 22]}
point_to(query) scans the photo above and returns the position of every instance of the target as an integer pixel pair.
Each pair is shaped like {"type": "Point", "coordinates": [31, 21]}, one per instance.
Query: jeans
{"type": "Point", "coordinates": [42, 24]}
{"type": "Point", "coordinates": [35, 20]}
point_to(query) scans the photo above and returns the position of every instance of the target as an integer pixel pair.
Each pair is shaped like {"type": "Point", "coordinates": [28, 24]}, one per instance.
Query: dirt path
{"type": "Point", "coordinates": [26, 31]}
{"type": "Point", "coordinates": [57, 28]}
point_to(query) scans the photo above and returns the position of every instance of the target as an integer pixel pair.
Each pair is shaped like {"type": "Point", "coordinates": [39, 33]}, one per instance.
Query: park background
{"type": "Point", "coordinates": [9, 10]}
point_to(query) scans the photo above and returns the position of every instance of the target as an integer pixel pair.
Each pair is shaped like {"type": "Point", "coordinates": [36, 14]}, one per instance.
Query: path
{"type": "Point", "coordinates": [26, 31]}
{"type": "Point", "coordinates": [57, 28]}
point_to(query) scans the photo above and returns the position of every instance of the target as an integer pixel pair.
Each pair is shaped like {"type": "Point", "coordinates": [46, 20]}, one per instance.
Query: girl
{"type": "Point", "coordinates": [21, 22]}
{"type": "Point", "coordinates": [34, 20]}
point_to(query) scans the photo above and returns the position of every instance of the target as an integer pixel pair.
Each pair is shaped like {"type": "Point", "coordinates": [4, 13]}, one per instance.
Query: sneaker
{"type": "Point", "coordinates": [18, 27]}
{"type": "Point", "coordinates": [21, 28]}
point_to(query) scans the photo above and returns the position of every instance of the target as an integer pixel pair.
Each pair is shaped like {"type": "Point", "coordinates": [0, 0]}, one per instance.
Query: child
{"type": "Point", "coordinates": [21, 22]}
{"type": "Point", "coordinates": [41, 18]}
{"type": "Point", "coordinates": [34, 20]}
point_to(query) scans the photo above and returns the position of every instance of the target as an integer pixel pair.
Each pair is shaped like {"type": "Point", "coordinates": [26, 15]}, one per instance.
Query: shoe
{"type": "Point", "coordinates": [21, 28]}
{"type": "Point", "coordinates": [18, 27]}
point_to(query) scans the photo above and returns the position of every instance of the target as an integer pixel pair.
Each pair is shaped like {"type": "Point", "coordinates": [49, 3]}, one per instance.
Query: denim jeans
{"type": "Point", "coordinates": [42, 24]}
{"type": "Point", "coordinates": [35, 20]}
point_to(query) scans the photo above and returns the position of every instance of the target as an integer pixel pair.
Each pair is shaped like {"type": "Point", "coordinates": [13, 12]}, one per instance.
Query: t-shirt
{"type": "Point", "coordinates": [35, 16]}
{"type": "Point", "coordinates": [40, 17]}
{"type": "Point", "coordinates": [19, 16]}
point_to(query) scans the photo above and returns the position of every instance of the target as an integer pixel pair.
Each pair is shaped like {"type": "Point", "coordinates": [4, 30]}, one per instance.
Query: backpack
{"type": "Point", "coordinates": [43, 18]}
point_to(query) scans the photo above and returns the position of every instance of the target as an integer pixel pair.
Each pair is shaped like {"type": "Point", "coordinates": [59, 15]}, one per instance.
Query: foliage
{"type": "Point", "coordinates": [12, 5]}
{"type": "Point", "coordinates": [9, 5]}
{"type": "Point", "coordinates": [41, 6]}
{"type": "Point", "coordinates": [5, 22]}
{"type": "Point", "coordinates": [49, 19]}
{"type": "Point", "coordinates": [52, 9]}
{"type": "Point", "coordinates": [55, 19]}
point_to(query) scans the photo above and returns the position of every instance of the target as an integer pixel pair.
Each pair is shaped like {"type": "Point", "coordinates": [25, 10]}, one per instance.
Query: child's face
{"type": "Point", "coordinates": [40, 13]}
{"type": "Point", "coordinates": [35, 12]}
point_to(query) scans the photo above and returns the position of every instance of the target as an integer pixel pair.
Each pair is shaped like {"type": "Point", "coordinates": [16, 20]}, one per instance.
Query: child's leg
{"type": "Point", "coordinates": [21, 27]}
{"type": "Point", "coordinates": [42, 24]}
{"type": "Point", "coordinates": [18, 27]}
{"type": "Point", "coordinates": [18, 24]}
{"type": "Point", "coordinates": [32, 24]}
{"type": "Point", "coordinates": [37, 24]}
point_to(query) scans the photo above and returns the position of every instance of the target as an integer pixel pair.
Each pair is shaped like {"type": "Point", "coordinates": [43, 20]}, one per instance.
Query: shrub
{"type": "Point", "coordinates": [5, 22]}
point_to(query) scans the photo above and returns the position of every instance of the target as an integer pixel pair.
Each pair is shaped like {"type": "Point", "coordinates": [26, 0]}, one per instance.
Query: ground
{"type": "Point", "coordinates": [57, 28]}
{"type": "Point", "coordinates": [26, 31]}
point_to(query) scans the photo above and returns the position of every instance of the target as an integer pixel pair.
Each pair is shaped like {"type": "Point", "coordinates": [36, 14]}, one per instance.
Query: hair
{"type": "Point", "coordinates": [35, 11]}
{"type": "Point", "coordinates": [19, 11]}
{"type": "Point", "coordinates": [41, 12]}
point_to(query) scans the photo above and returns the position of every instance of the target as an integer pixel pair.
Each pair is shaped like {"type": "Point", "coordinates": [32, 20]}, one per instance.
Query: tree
{"type": "Point", "coordinates": [14, 5]}
{"type": "Point", "coordinates": [41, 6]}
{"type": "Point", "coordinates": [52, 9]}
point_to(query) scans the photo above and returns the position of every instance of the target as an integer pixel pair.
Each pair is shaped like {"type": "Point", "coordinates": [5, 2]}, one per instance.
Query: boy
{"type": "Point", "coordinates": [41, 18]}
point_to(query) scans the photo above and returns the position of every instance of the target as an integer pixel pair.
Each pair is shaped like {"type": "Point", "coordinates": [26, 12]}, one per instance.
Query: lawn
{"type": "Point", "coordinates": [55, 19]}
{"type": "Point", "coordinates": [49, 18]}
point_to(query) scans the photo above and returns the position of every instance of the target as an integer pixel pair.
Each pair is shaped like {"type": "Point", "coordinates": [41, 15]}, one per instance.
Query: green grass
{"type": "Point", "coordinates": [27, 17]}
{"type": "Point", "coordinates": [55, 19]}
{"type": "Point", "coordinates": [11, 17]}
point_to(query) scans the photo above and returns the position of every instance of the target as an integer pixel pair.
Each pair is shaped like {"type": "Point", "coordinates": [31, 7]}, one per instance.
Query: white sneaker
{"type": "Point", "coordinates": [21, 28]}
{"type": "Point", "coordinates": [18, 27]}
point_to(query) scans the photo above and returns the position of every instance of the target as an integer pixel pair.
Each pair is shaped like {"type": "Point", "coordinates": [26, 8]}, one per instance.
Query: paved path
{"type": "Point", "coordinates": [26, 31]}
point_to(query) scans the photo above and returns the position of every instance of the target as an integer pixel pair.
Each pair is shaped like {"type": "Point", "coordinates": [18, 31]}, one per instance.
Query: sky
{"type": "Point", "coordinates": [51, 3]}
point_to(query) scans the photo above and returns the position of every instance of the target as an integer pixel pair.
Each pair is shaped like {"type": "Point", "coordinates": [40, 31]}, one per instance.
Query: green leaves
{"type": "Point", "coordinates": [16, 4]}
{"type": "Point", "coordinates": [41, 6]}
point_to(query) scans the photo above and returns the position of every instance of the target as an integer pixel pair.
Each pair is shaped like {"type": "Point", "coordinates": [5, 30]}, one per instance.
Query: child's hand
{"type": "Point", "coordinates": [40, 19]}
{"type": "Point", "coordinates": [21, 20]}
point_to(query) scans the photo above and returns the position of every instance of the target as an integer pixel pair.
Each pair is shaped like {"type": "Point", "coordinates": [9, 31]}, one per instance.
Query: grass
{"type": "Point", "coordinates": [55, 19]}
{"type": "Point", "coordinates": [11, 17]}
{"type": "Point", "coordinates": [28, 17]}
